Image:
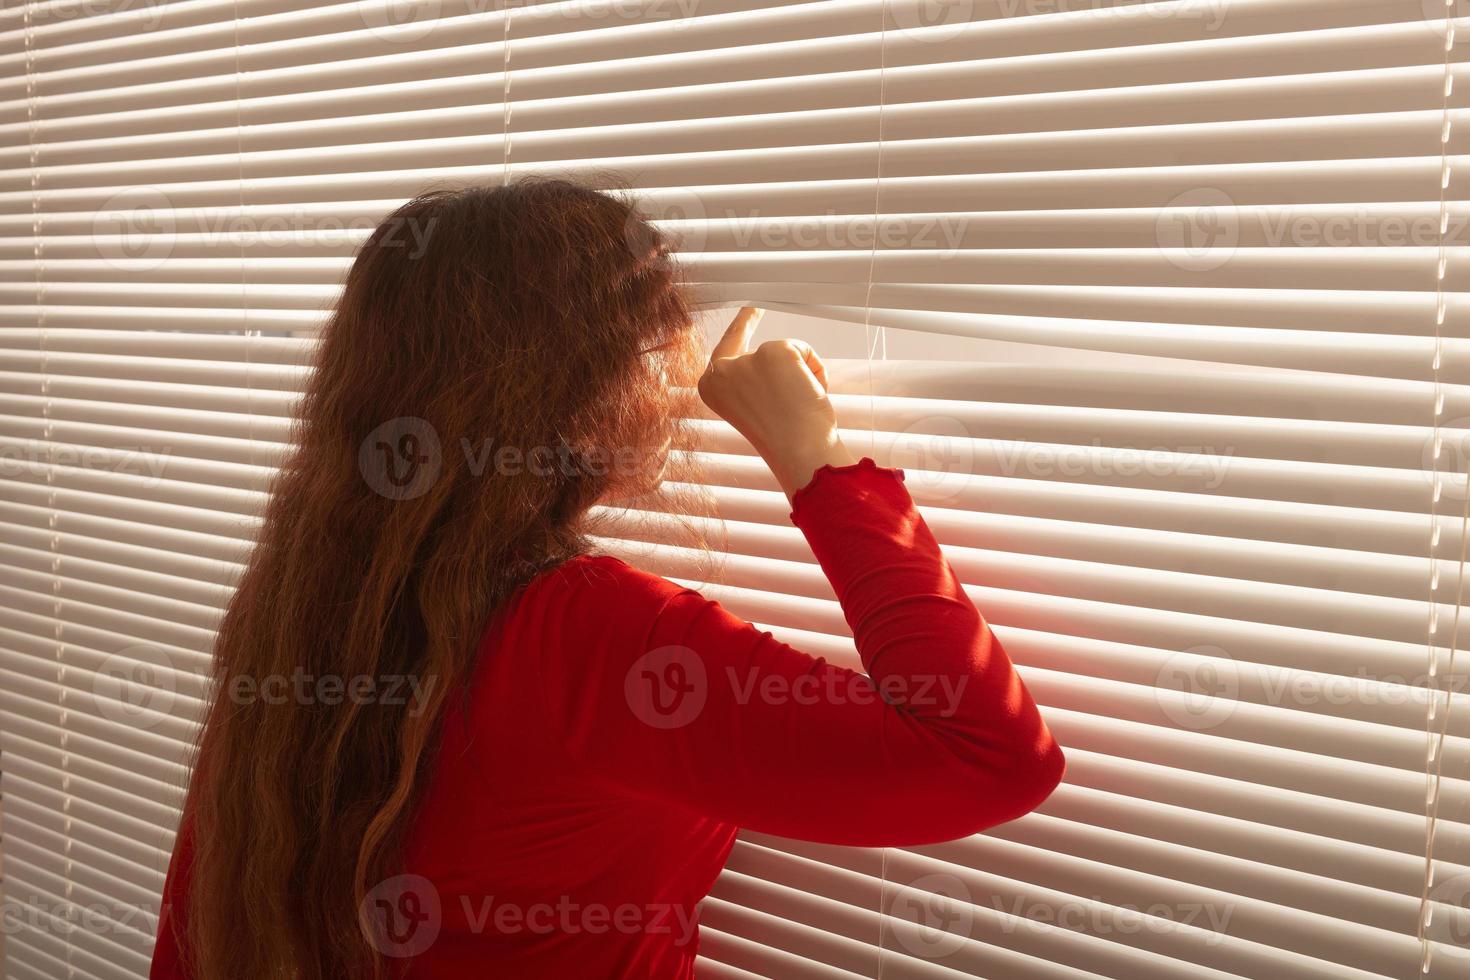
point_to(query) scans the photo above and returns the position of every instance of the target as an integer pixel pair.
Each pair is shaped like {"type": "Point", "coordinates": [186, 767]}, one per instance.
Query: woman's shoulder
{"type": "Point", "coordinates": [604, 580]}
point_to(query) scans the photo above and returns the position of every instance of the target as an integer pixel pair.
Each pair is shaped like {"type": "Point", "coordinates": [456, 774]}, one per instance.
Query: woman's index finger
{"type": "Point", "coordinates": [737, 335]}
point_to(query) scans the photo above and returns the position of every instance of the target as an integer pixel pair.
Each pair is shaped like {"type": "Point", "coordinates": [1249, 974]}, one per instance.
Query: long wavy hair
{"type": "Point", "coordinates": [501, 360]}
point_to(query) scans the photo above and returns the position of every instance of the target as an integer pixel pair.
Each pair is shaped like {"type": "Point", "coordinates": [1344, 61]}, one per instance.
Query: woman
{"type": "Point", "coordinates": [503, 754]}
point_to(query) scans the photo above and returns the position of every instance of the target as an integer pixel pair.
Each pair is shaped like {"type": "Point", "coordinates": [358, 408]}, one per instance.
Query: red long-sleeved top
{"type": "Point", "coordinates": [621, 728]}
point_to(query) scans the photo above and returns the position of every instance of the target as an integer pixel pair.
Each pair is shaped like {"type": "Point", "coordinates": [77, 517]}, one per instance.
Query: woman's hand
{"type": "Point", "coordinates": [776, 397]}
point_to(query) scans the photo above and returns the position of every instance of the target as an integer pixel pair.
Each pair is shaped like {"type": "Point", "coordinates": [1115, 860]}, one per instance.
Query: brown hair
{"type": "Point", "coordinates": [540, 319]}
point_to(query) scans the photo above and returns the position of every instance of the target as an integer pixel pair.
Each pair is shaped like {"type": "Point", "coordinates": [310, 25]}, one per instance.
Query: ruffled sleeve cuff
{"type": "Point", "coordinates": [832, 479]}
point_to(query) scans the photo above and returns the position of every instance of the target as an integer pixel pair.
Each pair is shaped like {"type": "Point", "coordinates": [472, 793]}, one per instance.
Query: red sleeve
{"type": "Point", "coordinates": [665, 694]}
{"type": "Point", "coordinates": [168, 958]}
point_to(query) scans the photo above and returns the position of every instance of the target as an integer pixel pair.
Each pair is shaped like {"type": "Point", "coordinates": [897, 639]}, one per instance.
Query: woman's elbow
{"type": "Point", "coordinates": [1019, 787]}
{"type": "Point", "coordinates": [975, 796]}
{"type": "Point", "coordinates": [1038, 777]}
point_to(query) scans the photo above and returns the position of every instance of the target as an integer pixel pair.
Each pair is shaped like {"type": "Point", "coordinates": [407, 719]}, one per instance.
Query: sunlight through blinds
{"type": "Point", "coordinates": [1171, 296]}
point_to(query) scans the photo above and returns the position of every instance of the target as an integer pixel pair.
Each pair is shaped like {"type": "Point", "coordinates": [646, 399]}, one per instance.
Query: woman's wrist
{"type": "Point", "coordinates": [794, 465]}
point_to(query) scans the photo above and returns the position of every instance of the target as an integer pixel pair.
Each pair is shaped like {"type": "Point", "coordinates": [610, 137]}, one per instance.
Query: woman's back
{"type": "Point", "coordinates": [538, 862]}
{"type": "Point", "coordinates": [621, 728]}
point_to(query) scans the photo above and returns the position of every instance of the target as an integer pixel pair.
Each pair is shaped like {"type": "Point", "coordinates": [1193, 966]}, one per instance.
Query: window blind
{"type": "Point", "coordinates": [1158, 304]}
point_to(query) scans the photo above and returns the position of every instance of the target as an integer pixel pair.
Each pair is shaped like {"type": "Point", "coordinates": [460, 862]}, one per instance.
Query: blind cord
{"type": "Point", "coordinates": [505, 97]}
{"type": "Point", "coordinates": [874, 339]}
{"type": "Point", "coordinates": [38, 257]}
{"type": "Point", "coordinates": [246, 333]}
{"type": "Point", "coordinates": [1437, 727]}
{"type": "Point", "coordinates": [1436, 751]}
